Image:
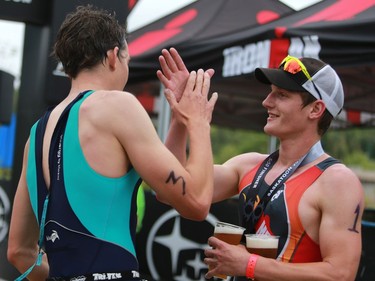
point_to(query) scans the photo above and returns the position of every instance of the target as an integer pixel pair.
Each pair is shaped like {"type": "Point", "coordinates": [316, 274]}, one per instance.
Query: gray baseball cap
{"type": "Point", "coordinates": [307, 74]}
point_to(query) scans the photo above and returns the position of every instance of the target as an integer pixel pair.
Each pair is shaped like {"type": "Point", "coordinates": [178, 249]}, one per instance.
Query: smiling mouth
{"type": "Point", "coordinates": [271, 115]}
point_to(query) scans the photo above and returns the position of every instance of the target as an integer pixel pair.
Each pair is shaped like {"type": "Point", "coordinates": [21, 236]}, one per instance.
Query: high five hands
{"type": "Point", "coordinates": [183, 89]}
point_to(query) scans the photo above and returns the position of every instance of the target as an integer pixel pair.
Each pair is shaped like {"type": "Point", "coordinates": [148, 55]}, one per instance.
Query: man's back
{"type": "Point", "coordinates": [91, 218]}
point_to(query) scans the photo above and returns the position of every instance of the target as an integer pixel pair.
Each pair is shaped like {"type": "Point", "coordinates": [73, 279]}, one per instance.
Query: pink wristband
{"type": "Point", "coordinates": [250, 269]}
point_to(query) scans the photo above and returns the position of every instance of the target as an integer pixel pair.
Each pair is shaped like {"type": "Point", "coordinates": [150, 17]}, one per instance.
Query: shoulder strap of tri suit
{"type": "Point", "coordinates": [42, 189]}
{"type": "Point", "coordinates": [39, 136]}
{"type": "Point", "coordinates": [327, 163]}
{"type": "Point", "coordinates": [53, 158]}
{"type": "Point", "coordinates": [55, 151]}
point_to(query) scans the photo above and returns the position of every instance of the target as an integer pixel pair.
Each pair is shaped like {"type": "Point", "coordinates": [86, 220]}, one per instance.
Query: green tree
{"type": "Point", "coordinates": [354, 147]}
{"type": "Point", "coordinates": [227, 143]}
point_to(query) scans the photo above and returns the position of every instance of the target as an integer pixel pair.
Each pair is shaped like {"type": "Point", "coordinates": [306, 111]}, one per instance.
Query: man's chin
{"type": "Point", "coordinates": [268, 129]}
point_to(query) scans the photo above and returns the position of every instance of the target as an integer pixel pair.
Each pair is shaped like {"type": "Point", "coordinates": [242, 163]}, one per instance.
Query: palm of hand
{"type": "Point", "coordinates": [177, 83]}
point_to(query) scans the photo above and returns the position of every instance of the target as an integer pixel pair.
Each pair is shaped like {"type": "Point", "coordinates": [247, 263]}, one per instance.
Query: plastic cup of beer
{"type": "Point", "coordinates": [228, 233]}
{"type": "Point", "coordinates": [264, 245]}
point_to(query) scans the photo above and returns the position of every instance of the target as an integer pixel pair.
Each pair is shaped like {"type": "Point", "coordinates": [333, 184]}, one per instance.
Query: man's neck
{"type": "Point", "coordinates": [290, 151]}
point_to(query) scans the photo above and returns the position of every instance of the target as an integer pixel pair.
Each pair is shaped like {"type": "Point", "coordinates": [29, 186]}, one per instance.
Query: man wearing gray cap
{"type": "Point", "coordinates": [310, 200]}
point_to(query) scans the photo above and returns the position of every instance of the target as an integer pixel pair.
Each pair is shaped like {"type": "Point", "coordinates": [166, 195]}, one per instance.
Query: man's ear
{"type": "Point", "coordinates": [112, 57]}
{"type": "Point", "coordinates": [317, 109]}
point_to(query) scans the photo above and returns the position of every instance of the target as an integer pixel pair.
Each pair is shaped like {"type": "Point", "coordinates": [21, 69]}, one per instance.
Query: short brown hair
{"type": "Point", "coordinates": [325, 120]}
{"type": "Point", "coordinates": [84, 38]}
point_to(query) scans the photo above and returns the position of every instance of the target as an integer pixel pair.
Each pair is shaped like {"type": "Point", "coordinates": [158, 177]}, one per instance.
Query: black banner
{"type": "Point", "coordinates": [7, 271]}
{"type": "Point", "coordinates": [7, 141]}
{"type": "Point", "coordinates": [170, 247]}
{"type": "Point", "coordinates": [28, 11]}
{"type": "Point", "coordinates": [6, 97]}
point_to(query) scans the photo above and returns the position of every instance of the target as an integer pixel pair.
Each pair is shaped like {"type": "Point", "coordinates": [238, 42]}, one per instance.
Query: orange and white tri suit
{"type": "Point", "coordinates": [280, 216]}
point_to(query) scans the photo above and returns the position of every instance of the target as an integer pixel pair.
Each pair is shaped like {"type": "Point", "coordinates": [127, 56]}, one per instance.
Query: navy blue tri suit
{"type": "Point", "coordinates": [91, 219]}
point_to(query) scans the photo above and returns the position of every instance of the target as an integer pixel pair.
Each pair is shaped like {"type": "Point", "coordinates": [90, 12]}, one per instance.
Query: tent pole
{"type": "Point", "coordinates": [164, 115]}
{"type": "Point", "coordinates": [272, 144]}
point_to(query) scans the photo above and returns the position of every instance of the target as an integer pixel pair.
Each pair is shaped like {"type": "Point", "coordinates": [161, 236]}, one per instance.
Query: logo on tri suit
{"type": "Point", "coordinates": [53, 236]}
{"type": "Point", "coordinates": [79, 278]}
{"type": "Point", "coordinates": [107, 276]}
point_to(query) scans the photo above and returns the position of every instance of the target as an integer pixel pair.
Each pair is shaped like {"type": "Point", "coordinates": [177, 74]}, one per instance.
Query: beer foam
{"type": "Point", "coordinates": [229, 229]}
{"type": "Point", "coordinates": [262, 242]}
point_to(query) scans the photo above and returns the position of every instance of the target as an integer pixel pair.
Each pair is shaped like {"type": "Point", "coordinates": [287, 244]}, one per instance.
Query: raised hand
{"type": "Point", "coordinates": [174, 74]}
{"type": "Point", "coordinates": [193, 104]}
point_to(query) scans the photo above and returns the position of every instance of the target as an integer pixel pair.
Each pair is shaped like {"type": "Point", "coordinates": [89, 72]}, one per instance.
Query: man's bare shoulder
{"type": "Point", "coordinates": [112, 96]}
{"type": "Point", "coordinates": [339, 181]}
{"type": "Point", "coordinates": [340, 173]}
{"type": "Point", "coordinates": [248, 158]}
{"type": "Point", "coordinates": [245, 162]}
{"type": "Point", "coordinates": [110, 103]}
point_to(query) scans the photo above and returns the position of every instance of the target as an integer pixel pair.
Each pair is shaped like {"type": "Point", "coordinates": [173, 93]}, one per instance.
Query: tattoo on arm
{"type": "Point", "coordinates": [174, 180]}
{"type": "Point", "coordinates": [353, 228]}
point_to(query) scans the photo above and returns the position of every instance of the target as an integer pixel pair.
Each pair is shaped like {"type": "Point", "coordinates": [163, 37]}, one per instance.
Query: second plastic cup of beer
{"type": "Point", "coordinates": [229, 233]}
{"type": "Point", "coordinates": [264, 245]}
